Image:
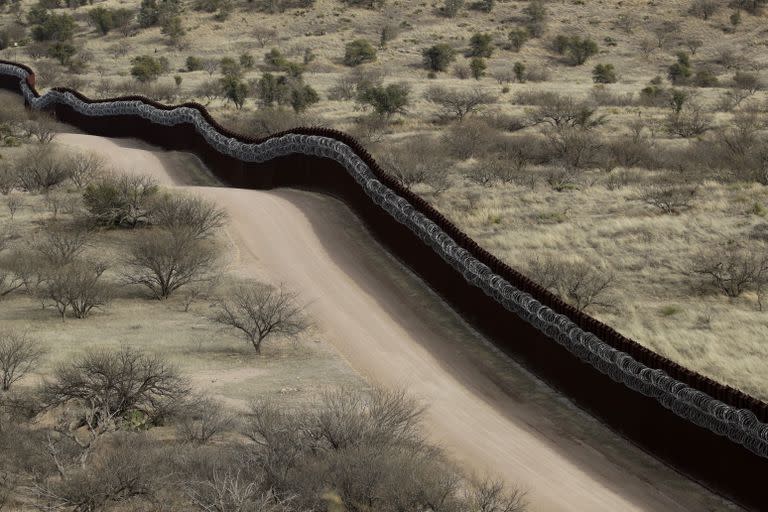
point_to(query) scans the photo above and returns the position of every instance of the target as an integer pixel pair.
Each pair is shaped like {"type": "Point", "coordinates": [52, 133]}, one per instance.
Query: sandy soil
{"type": "Point", "coordinates": [395, 332]}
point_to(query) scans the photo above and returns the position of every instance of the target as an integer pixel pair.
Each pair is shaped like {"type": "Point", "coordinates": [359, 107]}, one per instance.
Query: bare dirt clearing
{"type": "Point", "coordinates": [488, 412]}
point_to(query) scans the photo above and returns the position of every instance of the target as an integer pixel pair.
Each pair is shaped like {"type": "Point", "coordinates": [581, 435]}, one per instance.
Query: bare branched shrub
{"type": "Point", "coordinates": [202, 418]}
{"type": "Point", "coordinates": [690, 121]}
{"type": "Point", "coordinates": [76, 287]}
{"type": "Point", "coordinates": [120, 199]}
{"type": "Point", "coordinates": [14, 203]}
{"type": "Point", "coordinates": [576, 281]}
{"type": "Point", "coordinates": [509, 168]}
{"type": "Point", "coordinates": [164, 261]}
{"type": "Point", "coordinates": [261, 311]}
{"type": "Point", "coordinates": [368, 449]}
{"type": "Point", "coordinates": [108, 385]}
{"type": "Point", "coordinates": [41, 126]}
{"type": "Point", "coordinates": [60, 246]}
{"type": "Point", "coordinates": [419, 160]}
{"type": "Point", "coordinates": [40, 169]}
{"type": "Point", "coordinates": [19, 355]}
{"type": "Point", "coordinates": [230, 491]}
{"type": "Point", "coordinates": [457, 103]}
{"type": "Point", "coordinates": [731, 268]}
{"type": "Point", "coordinates": [669, 198]}
{"type": "Point", "coordinates": [492, 496]}
{"type": "Point", "coordinates": [562, 178]}
{"type": "Point", "coordinates": [191, 213]}
{"type": "Point", "coordinates": [84, 168]}
{"type": "Point", "coordinates": [473, 137]}
{"type": "Point", "coordinates": [575, 148]}
{"type": "Point", "coordinates": [631, 152]}
{"type": "Point", "coordinates": [125, 468]}
{"type": "Point", "coordinates": [563, 111]}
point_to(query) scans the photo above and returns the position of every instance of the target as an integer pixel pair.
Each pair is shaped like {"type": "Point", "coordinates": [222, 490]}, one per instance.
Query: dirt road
{"type": "Point", "coordinates": [485, 410]}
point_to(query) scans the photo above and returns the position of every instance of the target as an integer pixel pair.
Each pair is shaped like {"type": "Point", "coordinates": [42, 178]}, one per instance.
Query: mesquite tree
{"type": "Point", "coordinates": [259, 311]}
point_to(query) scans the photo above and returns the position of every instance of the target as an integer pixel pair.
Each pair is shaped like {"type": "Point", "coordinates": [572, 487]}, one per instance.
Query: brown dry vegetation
{"type": "Point", "coordinates": [647, 189]}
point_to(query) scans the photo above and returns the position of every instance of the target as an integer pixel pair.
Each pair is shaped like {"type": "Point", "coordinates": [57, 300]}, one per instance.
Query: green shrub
{"type": "Point", "coordinates": [518, 37]}
{"type": "Point", "coordinates": [247, 61]}
{"type": "Point", "coordinates": [234, 89]}
{"type": "Point", "coordinates": [680, 72]}
{"type": "Point", "coordinates": [519, 70]}
{"type": "Point", "coordinates": [477, 67]}
{"type": "Point", "coordinates": [194, 63]}
{"type": "Point", "coordinates": [106, 19]}
{"type": "Point", "coordinates": [359, 52]}
{"type": "Point", "coordinates": [146, 68]}
{"type": "Point", "coordinates": [480, 45]}
{"type": "Point", "coordinates": [578, 49]}
{"type": "Point", "coordinates": [604, 74]}
{"type": "Point", "coordinates": [274, 58]}
{"type": "Point", "coordinates": [53, 27]}
{"type": "Point", "coordinates": [62, 52]}
{"type": "Point", "coordinates": [438, 57]}
{"type": "Point", "coordinates": [386, 100]}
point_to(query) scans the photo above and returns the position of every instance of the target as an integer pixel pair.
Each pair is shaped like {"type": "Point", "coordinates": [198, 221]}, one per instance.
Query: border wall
{"type": "Point", "coordinates": [713, 433]}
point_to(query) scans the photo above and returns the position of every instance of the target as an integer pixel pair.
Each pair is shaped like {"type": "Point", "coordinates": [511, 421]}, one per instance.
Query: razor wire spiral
{"type": "Point", "coordinates": [739, 425]}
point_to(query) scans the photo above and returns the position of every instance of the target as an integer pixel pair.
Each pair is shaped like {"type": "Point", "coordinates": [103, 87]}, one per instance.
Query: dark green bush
{"type": "Point", "coordinates": [604, 74]}
{"type": "Point", "coordinates": [359, 52]}
{"type": "Point", "coordinates": [438, 57]}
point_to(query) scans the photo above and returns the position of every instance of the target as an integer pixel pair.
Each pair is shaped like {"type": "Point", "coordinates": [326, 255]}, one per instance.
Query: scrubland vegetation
{"type": "Point", "coordinates": [124, 347]}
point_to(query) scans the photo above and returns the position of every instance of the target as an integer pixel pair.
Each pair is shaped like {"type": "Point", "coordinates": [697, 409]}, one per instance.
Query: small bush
{"type": "Point", "coordinates": [359, 52]}
{"type": "Point", "coordinates": [477, 66]}
{"type": "Point", "coordinates": [194, 63]}
{"type": "Point", "coordinates": [604, 74]}
{"type": "Point", "coordinates": [517, 38]}
{"type": "Point", "coordinates": [480, 45]}
{"type": "Point", "coordinates": [438, 57]}
{"type": "Point", "coordinates": [386, 100]}
{"type": "Point", "coordinates": [146, 68]}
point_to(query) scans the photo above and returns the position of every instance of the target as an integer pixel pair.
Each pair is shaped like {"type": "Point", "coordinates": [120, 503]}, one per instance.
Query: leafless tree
{"type": "Point", "coordinates": [264, 35]}
{"type": "Point", "coordinates": [40, 169]}
{"type": "Point", "coordinates": [41, 126]}
{"type": "Point", "coordinates": [492, 496]}
{"type": "Point", "coordinates": [458, 103]}
{"type": "Point", "coordinates": [106, 385]}
{"type": "Point", "coordinates": [689, 122]}
{"type": "Point", "coordinates": [75, 286]}
{"type": "Point", "coordinates": [564, 112]}
{"type": "Point", "coordinates": [164, 261]}
{"type": "Point", "coordinates": [574, 147]}
{"type": "Point", "coordinates": [60, 246]}
{"type": "Point", "coordinates": [260, 311]}
{"type": "Point", "coordinates": [731, 268]}
{"type": "Point", "coordinates": [14, 203]}
{"type": "Point", "coordinates": [576, 281]}
{"type": "Point", "coordinates": [210, 90]}
{"type": "Point", "coordinates": [184, 212]}
{"type": "Point", "coordinates": [669, 198]}
{"type": "Point", "coordinates": [85, 168]}
{"type": "Point", "coordinates": [19, 355]}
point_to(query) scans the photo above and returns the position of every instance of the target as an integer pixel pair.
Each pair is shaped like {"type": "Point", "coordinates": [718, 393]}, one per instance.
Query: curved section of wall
{"type": "Point", "coordinates": [713, 432]}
